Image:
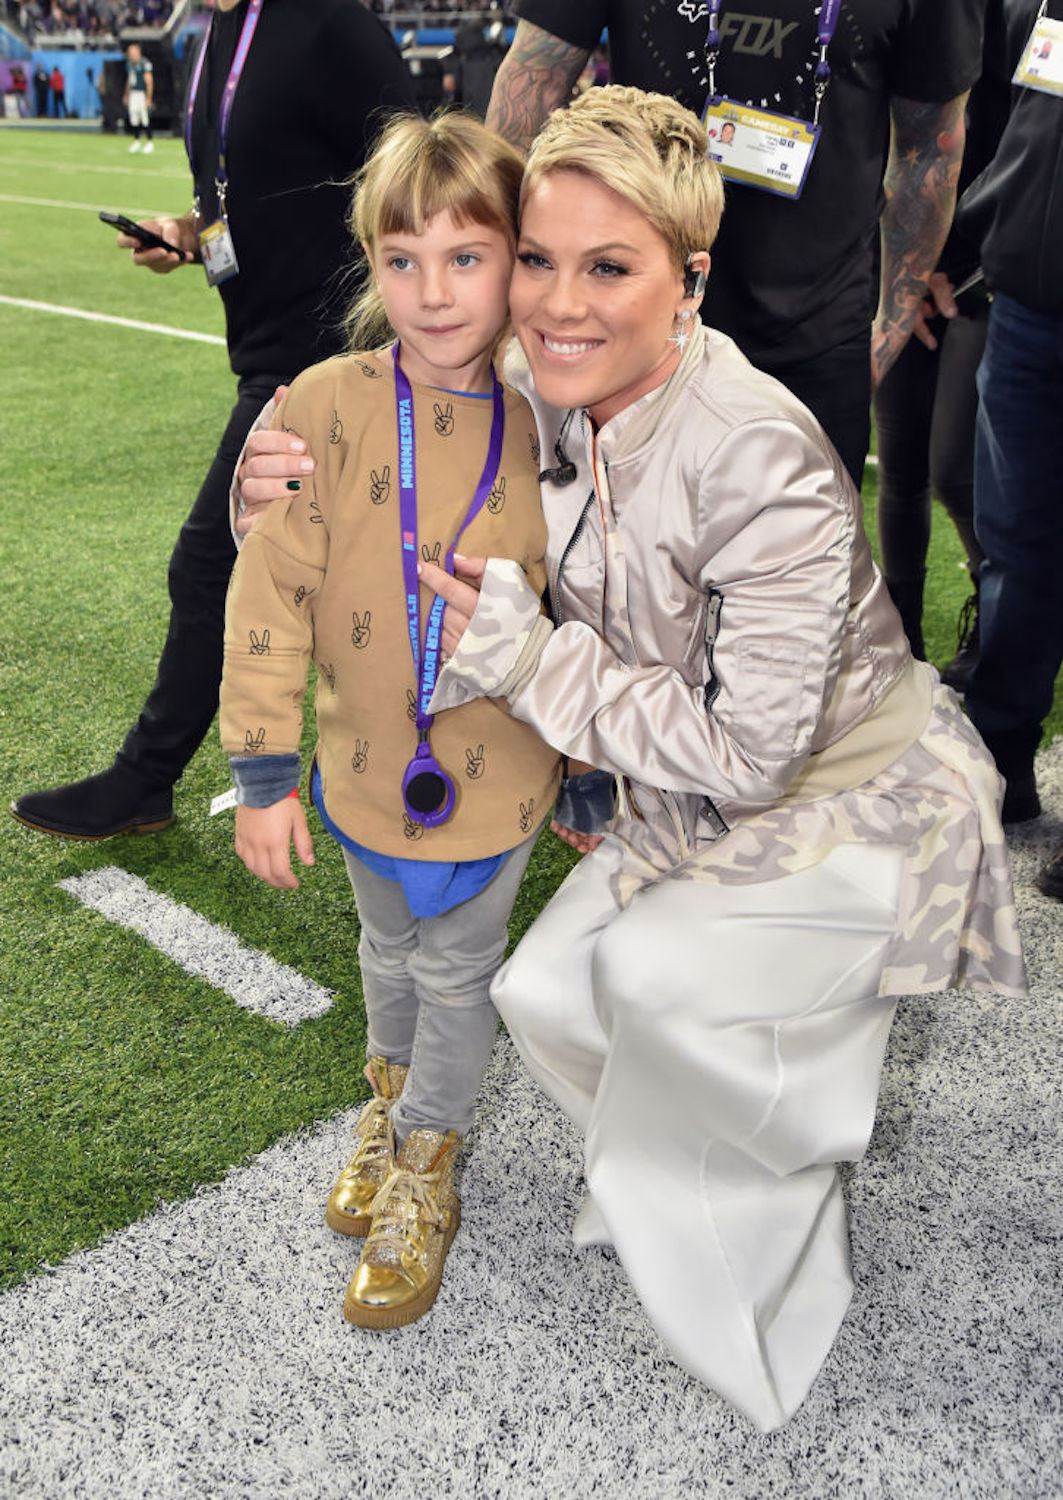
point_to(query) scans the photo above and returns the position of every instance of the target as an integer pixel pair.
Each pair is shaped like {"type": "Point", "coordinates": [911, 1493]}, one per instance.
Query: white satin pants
{"type": "Point", "coordinates": [720, 1046]}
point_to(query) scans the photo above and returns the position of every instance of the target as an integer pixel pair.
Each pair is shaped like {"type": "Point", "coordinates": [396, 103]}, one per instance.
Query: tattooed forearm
{"type": "Point", "coordinates": [920, 184]}
{"type": "Point", "coordinates": [536, 75]}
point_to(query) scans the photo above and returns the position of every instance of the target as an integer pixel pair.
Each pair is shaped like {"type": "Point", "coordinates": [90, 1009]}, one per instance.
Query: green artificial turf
{"type": "Point", "coordinates": [125, 1082]}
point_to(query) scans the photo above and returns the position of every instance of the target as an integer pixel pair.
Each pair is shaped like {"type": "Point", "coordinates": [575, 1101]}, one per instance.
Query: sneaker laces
{"type": "Point", "coordinates": [375, 1117]}
{"type": "Point", "coordinates": [374, 1132]}
{"type": "Point", "coordinates": [405, 1200]}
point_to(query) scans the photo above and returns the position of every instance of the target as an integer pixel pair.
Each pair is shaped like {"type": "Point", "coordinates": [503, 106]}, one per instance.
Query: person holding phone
{"type": "Point", "coordinates": [146, 238]}
{"type": "Point", "coordinates": [309, 79]}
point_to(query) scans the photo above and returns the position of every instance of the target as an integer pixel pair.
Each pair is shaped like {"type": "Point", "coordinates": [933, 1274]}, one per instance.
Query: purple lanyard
{"type": "Point", "coordinates": [828, 19]}
{"type": "Point", "coordinates": [243, 46]}
{"type": "Point", "coordinates": [829, 11]}
{"type": "Point", "coordinates": [426, 664]}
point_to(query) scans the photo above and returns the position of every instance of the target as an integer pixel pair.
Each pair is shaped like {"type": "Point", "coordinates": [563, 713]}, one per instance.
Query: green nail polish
{"type": "Point", "coordinates": [295, 484]}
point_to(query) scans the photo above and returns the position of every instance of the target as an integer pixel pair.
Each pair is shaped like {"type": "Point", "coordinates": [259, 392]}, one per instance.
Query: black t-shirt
{"type": "Point", "coordinates": [1015, 210]}
{"type": "Point", "coordinates": [791, 279]}
{"type": "Point", "coordinates": [987, 114]}
{"type": "Point", "coordinates": [318, 80]}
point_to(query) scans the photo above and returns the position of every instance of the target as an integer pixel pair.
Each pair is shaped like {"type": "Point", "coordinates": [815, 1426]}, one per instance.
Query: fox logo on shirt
{"type": "Point", "coordinates": [757, 36]}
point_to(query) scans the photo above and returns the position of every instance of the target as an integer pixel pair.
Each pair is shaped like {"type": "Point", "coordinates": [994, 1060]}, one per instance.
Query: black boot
{"type": "Point", "coordinates": [957, 674]}
{"type": "Point", "coordinates": [1050, 878]}
{"type": "Point", "coordinates": [1021, 800]}
{"type": "Point", "coordinates": [97, 808]}
{"type": "Point", "coordinates": [907, 595]}
{"type": "Point", "coordinates": [1014, 753]}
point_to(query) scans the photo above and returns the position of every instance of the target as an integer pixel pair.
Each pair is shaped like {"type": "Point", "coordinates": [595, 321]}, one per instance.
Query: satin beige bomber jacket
{"type": "Point", "coordinates": [721, 639]}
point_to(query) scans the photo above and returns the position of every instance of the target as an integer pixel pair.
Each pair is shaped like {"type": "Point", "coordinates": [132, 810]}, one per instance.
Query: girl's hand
{"type": "Point", "coordinates": [461, 593]}
{"type": "Point", "coordinates": [582, 842]}
{"type": "Point", "coordinates": [264, 836]}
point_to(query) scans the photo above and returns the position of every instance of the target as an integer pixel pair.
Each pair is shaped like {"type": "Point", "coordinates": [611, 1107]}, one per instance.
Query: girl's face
{"type": "Point", "coordinates": [445, 292]}
{"type": "Point", "coordinates": [594, 296]}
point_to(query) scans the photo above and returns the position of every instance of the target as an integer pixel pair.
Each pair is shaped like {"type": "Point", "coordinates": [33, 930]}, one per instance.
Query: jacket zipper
{"type": "Point", "coordinates": [716, 822]}
{"type": "Point", "coordinates": [555, 600]}
{"type": "Point", "coordinates": [713, 610]}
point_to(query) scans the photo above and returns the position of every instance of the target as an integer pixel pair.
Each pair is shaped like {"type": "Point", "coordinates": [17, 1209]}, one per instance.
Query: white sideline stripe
{"type": "Point", "coordinates": [254, 980]}
{"type": "Point", "coordinates": [136, 213]}
{"type": "Point", "coordinates": [91, 317]}
{"type": "Point", "coordinates": [155, 172]}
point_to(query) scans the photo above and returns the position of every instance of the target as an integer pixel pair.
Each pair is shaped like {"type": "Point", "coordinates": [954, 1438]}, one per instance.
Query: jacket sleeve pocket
{"type": "Point", "coordinates": [768, 695]}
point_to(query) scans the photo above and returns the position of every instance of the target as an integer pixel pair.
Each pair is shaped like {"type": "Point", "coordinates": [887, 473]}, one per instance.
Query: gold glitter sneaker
{"type": "Point", "coordinates": [347, 1210]}
{"type": "Point", "coordinates": [415, 1217]}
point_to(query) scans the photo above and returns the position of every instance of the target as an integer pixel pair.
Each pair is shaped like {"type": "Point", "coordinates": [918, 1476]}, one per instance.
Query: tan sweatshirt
{"type": "Point", "coordinates": [320, 577]}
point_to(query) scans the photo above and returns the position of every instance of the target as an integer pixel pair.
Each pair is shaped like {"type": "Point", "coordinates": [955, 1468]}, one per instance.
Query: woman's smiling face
{"type": "Point", "coordinates": [594, 297]}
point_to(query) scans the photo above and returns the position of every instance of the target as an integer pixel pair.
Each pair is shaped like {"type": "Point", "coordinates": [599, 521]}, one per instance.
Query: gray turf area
{"type": "Point", "coordinates": [202, 1353]}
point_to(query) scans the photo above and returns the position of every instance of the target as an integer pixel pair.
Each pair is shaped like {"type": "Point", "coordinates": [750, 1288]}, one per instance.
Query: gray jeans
{"type": "Point", "coordinates": [426, 982]}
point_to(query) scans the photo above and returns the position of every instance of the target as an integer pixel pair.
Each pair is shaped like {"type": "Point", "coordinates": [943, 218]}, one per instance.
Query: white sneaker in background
{"type": "Point", "coordinates": [135, 146]}
{"type": "Point", "coordinates": [149, 146]}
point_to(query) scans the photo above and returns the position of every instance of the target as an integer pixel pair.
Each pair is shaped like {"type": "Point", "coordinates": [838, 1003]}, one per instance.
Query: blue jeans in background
{"type": "Point", "coordinates": [1018, 516]}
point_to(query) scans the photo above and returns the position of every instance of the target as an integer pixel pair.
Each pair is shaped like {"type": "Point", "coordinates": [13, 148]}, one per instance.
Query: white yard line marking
{"type": "Point", "coordinates": [89, 208]}
{"type": "Point", "coordinates": [101, 169]}
{"type": "Point", "coordinates": [92, 317]}
{"type": "Point", "coordinates": [254, 980]}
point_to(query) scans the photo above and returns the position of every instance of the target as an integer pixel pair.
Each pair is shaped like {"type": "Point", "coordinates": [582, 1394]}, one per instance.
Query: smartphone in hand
{"type": "Point", "coordinates": [149, 240]}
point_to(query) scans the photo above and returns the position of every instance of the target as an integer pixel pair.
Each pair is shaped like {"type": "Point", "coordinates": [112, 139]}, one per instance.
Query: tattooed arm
{"type": "Point", "coordinates": [537, 74]}
{"type": "Point", "coordinates": [924, 164]}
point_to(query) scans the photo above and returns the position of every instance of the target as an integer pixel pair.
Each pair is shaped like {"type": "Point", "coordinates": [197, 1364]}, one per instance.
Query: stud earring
{"type": "Point", "coordinates": [681, 337]}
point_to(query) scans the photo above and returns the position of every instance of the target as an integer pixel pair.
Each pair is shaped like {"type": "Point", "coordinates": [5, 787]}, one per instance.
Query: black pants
{"type": "Point", "coordinates": [182, 704]}
{"type": "Point", "coordinates": [925, 412]}
{"type": "Point", "coordinates": [836, 388]}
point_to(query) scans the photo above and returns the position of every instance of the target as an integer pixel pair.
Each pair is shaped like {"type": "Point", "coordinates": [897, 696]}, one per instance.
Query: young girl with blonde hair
{"type": "Point", "coordinates": [419, 449]}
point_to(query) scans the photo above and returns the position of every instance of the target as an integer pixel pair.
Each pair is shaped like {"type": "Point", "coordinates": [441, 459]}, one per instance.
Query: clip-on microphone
{"type": "Point", "coordinates": [565, 471]}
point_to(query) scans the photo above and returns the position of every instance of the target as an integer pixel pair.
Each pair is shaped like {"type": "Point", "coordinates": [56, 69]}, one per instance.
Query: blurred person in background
{"type": "Point", "coordinates": [470, 75]}
{"type": "Point", "coordinates": [138, 96]}
{"type": "Point", "coordinates": [41, 87]}
{"type": "Point", "coordinates": [57, 83]}
{"type": "Point", "coordinates": [19, 87]}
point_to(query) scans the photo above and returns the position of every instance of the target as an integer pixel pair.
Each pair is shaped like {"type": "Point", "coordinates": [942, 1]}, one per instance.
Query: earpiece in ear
{"type": "Point", "coordinates": [693, 282]}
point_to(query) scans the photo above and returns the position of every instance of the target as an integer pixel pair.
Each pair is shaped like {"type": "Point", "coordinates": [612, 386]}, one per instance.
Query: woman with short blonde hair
{"type": "Point", "coordinates": [647, 148]}
{"type": "Point", "coordinates": [805, 825]}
